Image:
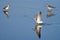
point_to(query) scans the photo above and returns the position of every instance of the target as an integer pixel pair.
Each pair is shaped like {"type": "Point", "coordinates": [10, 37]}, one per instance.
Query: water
{"type": "Point", "coordinates": [20, 23]}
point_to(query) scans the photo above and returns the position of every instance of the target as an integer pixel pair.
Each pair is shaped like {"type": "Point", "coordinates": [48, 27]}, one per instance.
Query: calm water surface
{"type": "Point", "coordinates": [20, 23]}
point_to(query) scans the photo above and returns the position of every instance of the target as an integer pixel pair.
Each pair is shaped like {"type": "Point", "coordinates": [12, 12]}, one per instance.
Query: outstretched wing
{"type": "Point", "coordinates": [39, 16]}
{"type": "Point", "coordinates": [5, 7]}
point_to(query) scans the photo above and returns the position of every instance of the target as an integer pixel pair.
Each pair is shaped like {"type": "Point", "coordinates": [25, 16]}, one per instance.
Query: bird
{"type": "Point", "coordinates": [5, 10]}
{"type": "Point", "coordinates": [6, 13]}
{"type": "Point", "coordinates": [6, 7]}
{"type": "Point", "coordinates": [37, 19]}
{"type": "Point", "coordinates": [50, 7]}
{"type": "Point", "coordinates": [38, 30]}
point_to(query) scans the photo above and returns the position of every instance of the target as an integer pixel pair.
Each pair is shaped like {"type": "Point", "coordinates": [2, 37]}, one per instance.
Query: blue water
{"type": "Point", "coordinates": [20, 22]}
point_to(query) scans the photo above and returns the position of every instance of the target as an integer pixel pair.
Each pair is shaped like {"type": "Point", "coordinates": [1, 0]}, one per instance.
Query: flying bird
{"type": "Point", "coordinates": [38, 30]}
{"type": "Point", "coordinates": [6, 7]}
{"type": "Point", "coordinates": [37, 19]}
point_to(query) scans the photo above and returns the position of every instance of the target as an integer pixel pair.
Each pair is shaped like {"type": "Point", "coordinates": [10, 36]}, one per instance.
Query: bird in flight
{"type": "Point", "coordinates": [37, 19]}
{"type": "Point", "coordinates": [39, 22]}
{"type": "Point", "coordinates": [5, 9]}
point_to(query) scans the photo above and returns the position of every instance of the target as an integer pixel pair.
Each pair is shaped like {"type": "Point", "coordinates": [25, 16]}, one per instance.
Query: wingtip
{"type": "Point", "coordinates": [3, 8]}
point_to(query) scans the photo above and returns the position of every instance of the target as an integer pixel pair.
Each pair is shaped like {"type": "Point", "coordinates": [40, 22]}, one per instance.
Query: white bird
{"type": "Point", "coordinates": [38, 18]}
{"type": "Point", "coordinates": [38, 30]}
{"type": "Point", "coordinates": [6, 7]}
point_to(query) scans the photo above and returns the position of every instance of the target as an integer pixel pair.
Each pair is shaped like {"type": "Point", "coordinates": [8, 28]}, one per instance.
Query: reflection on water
{"type": "Point", "coordinates": [49, 14]}
{"type": "Point", "coordinates": [38, 30]}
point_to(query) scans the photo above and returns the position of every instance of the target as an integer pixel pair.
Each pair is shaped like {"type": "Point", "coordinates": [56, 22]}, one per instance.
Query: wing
{"type": "Point", "coordinates": [39, 16]}
{"type": "Point", "coordinates": [51, 6]}
{"type": "Point", "coordinates": [35, 19]}
{"type": "Point", "coordinates": [5, 7]}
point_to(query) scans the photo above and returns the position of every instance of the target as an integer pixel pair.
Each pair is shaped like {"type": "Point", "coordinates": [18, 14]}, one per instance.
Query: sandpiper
{"type": "Point", "coordinates": [50, 7]}
{"type": "Point", "coordinates": [6, 7]}
{"type": "Point", "coordinates": [38, 18]}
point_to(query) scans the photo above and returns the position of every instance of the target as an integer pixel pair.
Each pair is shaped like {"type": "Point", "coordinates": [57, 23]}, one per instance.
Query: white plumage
{"type": "Point", "coordinates": [38, 18]}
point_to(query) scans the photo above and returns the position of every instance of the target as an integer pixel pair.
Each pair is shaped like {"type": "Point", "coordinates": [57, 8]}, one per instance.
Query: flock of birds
{"type": "Point", "coordinates": [37, 19]}
{"type": "Point", "coordinates": [5, 10]}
